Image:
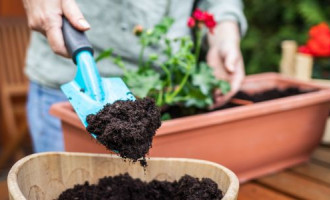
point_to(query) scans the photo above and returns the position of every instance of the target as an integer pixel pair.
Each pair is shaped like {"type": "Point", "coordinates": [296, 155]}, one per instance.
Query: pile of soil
{"type": "Point", "coordinates": [124, 187]}
{"type": "Point", "coordinates": [127, 127]}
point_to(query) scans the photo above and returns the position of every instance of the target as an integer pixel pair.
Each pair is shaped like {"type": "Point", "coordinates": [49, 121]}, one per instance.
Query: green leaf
{"type": "Point", "coordinates": [311, 11]}
{"type": "Point", "coordinates": [224, 86]}
{"type": "Point", "coordinates": [167, 21]}
{"type": "Point", "coordinates": [166, 116]}
{"type": "Point", "coordinates": [153, 36]}
{"type": "Point", "coordinates": [153, 57]}
{"type": "Point", "coordinates": [142, 83]}
{"type": "Point", "coordinates": [105, 54]}
{"type": "Point", "coordinates": [119, 62]}
{"type": "Point", "coordinates": [195, 98]}
{"type": "Point", "coordinates": [204, 79]}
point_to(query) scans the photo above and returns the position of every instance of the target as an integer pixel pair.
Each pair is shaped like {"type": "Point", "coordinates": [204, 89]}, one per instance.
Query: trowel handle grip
{"type": "Point", "coordinates": [75, 40]}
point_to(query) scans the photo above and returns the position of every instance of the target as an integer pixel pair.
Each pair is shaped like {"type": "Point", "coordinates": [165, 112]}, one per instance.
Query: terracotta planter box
{"type": "Point", "coordinates": [45, 176]}
{"type": "Point", "coordinates": [251, 140]}
{"type": "Point", "coordinates": [326, 136]}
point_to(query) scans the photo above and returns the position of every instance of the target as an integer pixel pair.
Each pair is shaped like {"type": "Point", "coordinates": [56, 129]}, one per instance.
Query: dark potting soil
{"type": "Point", "coordinates": [270, 94]}
{"type": "Point", "coordinates": [127, 127]}
{"type": "Point", "coordinates": [177, 111]}
{"type": "Point", "coordinates": [124, 187]}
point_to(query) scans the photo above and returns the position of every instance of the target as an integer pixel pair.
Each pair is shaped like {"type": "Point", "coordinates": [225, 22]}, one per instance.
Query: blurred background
{"type": "Point", "coordinates": [270, 22]}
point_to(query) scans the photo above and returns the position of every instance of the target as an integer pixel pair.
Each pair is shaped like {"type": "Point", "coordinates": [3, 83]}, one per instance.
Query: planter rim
{"type": "Point", "coordinates": [63, 110]}
{"type": "Point", "coordinates": [15, 192]}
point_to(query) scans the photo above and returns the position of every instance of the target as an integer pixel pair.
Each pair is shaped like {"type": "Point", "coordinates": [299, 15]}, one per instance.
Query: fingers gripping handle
{"type": "Point", "coordinates": [75, 40]}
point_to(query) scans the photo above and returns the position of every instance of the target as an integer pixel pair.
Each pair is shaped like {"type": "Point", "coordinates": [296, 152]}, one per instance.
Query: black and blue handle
{"type": "Point", "coordinates": [75, 40]}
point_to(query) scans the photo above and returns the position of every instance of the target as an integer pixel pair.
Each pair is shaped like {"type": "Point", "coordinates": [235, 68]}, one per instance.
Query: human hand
{"type": "Point", "coordinates": [225, 57]}
{"type": "Point", "coordinates": [45, 16]}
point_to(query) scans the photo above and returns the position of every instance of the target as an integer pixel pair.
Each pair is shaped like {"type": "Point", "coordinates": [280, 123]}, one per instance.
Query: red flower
{"type": "Point", "coordinates": [305, 50]}
{"type": "Point", "coordinates": [319, 48]}
{"type": "Point", "coordinates": [202, 18]}
{"type": "Point", "coordinates": [319, 41]}
{"type": "Point", "coordinates": [321, 29]}
{"type": "Point", "coordinates": [191, 22]}
{"type": "Point", "coordinates": [209, 21]}
{"type": "Point", "coordinates": [199, 15]}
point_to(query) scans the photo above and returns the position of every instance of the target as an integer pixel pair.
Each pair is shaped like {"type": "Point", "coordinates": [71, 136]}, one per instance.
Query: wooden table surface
{"type": "Point", "coordinates": [306, 181]}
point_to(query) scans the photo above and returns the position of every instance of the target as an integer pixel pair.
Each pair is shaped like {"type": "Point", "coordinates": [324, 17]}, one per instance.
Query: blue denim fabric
{"type": "Point", "coordinates": [45, 129]}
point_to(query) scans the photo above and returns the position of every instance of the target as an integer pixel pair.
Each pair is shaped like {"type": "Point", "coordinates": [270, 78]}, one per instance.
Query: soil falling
{"type": "Point", "coordinates": [124, 187]}
{"type": "Point", "coordinates": [127, 127]}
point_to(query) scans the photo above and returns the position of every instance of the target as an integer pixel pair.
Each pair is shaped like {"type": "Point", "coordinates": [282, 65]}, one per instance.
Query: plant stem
{"type": "Point", "coordinates": [168, 76]}
{"type": "Point", "coordinates": [198, 43]}
{"type": "Point", "coordinates": [141, 56]}
{"type": "Point", "coordinates": [178, 89]}
{"type": "Point", "coordinates": [160, 98]}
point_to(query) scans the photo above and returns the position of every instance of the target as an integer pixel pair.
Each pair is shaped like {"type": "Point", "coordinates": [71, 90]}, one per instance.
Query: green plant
{"type": "Point", "coordinates": [271, 22]}
{"type": "Point", "coordinates": [179, 79]}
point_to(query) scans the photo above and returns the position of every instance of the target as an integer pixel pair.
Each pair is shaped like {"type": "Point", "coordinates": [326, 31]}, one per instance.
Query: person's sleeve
{"type": "Point", "coordinates": [224, 10]}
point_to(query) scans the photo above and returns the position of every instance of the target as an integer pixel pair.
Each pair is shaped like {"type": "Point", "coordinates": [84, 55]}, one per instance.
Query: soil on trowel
{"type": "Point", "coordinates": [127, 127]}
{"type": "Point", "coordinates": [124, 187]}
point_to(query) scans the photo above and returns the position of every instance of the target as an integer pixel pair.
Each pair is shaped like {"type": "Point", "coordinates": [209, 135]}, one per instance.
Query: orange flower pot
{"type": "Point", "coordinates": [251, 140]}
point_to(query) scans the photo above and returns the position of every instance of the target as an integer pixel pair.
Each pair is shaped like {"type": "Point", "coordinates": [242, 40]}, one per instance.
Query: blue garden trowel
{"type": "Point", "coordinates": [88, 93]}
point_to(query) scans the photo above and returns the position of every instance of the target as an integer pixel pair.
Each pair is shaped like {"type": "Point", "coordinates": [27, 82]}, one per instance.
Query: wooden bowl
{"type": "Point", "coordinates": [47, 175]}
